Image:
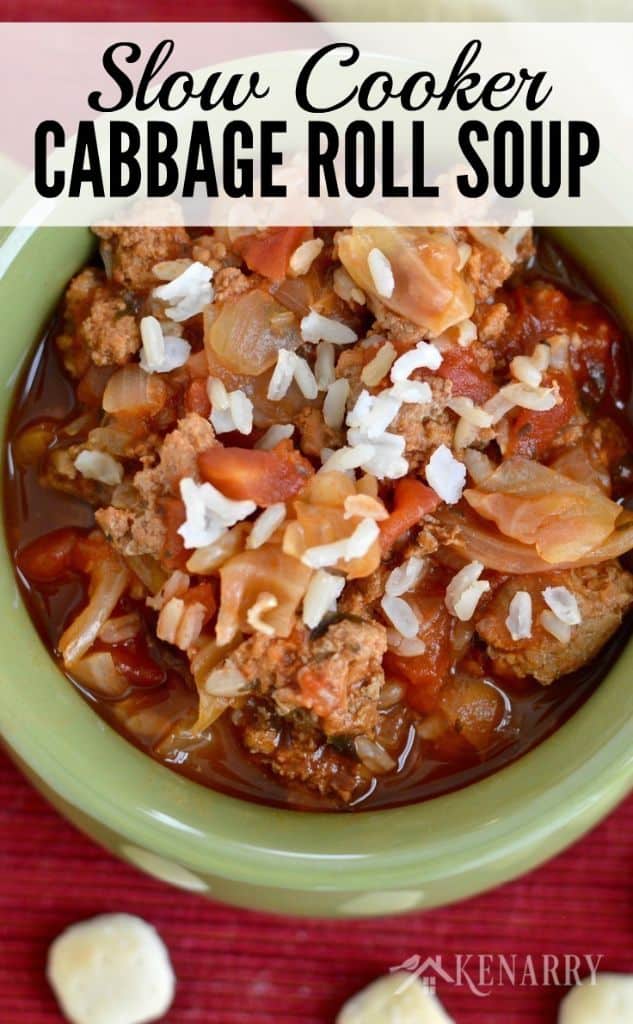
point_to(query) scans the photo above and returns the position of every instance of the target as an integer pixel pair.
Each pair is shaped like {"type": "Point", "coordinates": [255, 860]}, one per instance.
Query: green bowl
{"type": "Point", "coordinates": [260, 857]}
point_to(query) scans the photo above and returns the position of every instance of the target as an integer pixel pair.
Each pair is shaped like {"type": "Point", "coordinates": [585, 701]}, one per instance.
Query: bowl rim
{"type": "Point", "coordinates": [496, 827]}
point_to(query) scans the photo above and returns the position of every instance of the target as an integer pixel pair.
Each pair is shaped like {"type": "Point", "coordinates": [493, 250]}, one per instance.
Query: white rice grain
{"type": "Point", "coordinates": [358, 544]}
{"type": "Point", "coordinates": [559, 347]}
{"type": "Point", "coordinates": [153, 342]}
{"type": "Point", "coordinates": [229, 410]}
{"type": "Point", "coordinates": [386, 460]}
{"type": "Point", "coordinates": [362, 539]}
{"type": "Point", "coordinates": [357, 416]}
{"type": "Point", "coordinates": [315, 327]}
{"type": "Point", "coordinates": [169, 620]}
{"type": "Point", "coordinates": [305, 379]}
{"type": "Point", "coordinates": [241, 411]}
{"type": "Point", "coordinates": [207, 560]}
{"type": "Point", "coordinates": [412, 392]}
{"type": "Point", "coordinates": [373, 756]}
{"type": "Point", "coordinates": [324, 365]}
{"type": "Point", "coordinates": [537, 399]}
{"type": "Point", "coordinates": [400, 615]}
{"type": "Point", "coordinates": [407, 647]}
{"type": "Point", "coordinates": [265, 525]}
{"type": "Point", "coordinates": [189, 292]}
{"type": "Point", "coordinates": [218, 395]}
{"type": "Point", "coordinates": [321, 596]}
{"type": "Point", "coordinates": [519, 620]}
{"type": "Point", "coordinates": [278, 432]}
{"type": "Point", "coordinates": [555, 627]}
{"type": "Point", "coordinates": [323, 555]}
{"type": "Point", "coordinates": [378, 367]}
{"type": "Point", "coordinates": [304, 256]}
{"type": "Point", "coordinates": [446, 475]}
{"type": "Point", "coordinates": [385, 408]}
{"type": "Point", "coordinates": [423, 356]}
{"type": "Point", "coordinates": [564, 605]}
{"type": "Point", "coordinates": [335, 402]}
{"type": "Point", "coordinates": [348, 457]}
{"type": "Point", "coordinates": [524, 370]}
{"type": "Point", "coordinates": [282, 375]}
{"type": "Point", "coordinates": [464, 251]}
{"type": "Point", "coordinates": [174, 586]}
{"type": "Point", "coordinates": [381, 273]}
{"type": "Point", "coordinates": [464, 591]}
{"type": "Point", "coordinates": [467, 410]}
{"type": "Point", "coordinates": [99, 466]}
{"type": "Point", "coordinates": [161, 353]}
{"type": "Point", "coordinates": [405, 577]}
{"type": "Point", "coordinates": [221, 420]}
{"type": "Point", "coordinates": [345, 287]}
{"type": "Point", "coordinates": [208, 513]}
{"type": "Point", "coordinates": [466, 333]}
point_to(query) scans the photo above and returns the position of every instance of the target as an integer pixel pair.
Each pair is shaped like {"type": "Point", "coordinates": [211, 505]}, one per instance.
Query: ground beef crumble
{"type": "Point", "coordinates": [141, 530]}
{"type": "Point", "coordinates": [604, 593]}
{"type": "Point", "coordinates": [295, 749]}
{"type": "Point", "coordinates": [110, 331]}
{"type": "Point", "coordinates": [132, 252]}
{"type": "Point", "coordinates": [336, 675]}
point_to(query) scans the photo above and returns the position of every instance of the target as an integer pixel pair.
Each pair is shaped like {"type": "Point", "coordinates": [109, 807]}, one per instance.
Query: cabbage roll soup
{"type": "Point", "coordinates": [326, 519]}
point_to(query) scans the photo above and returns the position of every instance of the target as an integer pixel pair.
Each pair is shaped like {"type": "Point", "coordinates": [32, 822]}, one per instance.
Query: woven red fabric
{"type": "Point", "coordinates": [150, 10]}
{"type": "Point", "coordinates": [234, 966]}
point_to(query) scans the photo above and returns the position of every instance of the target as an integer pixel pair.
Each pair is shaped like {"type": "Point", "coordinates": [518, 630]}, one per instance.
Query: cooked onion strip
{"type": "Point", "coordinates": [99, 673]}
{"type": "Point", "coordinates": [110, 579]}
{"type": "Point", "coordinates": [475, 540]}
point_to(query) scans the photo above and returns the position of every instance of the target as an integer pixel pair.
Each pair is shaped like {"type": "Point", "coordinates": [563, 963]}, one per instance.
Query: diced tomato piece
{"type": "Point", "coordinates": [174, 554]}
{"type": "Point", "coordinates": [50, 556]}
{"type": "Point", "coordinates": [538, 311]}
{"type": "Point", "coordinates": [136, 663]}
{"type": "Point", "coordinates": [533, 433]}
{"type": "Point", "coordinates": [468, 379]}
{"type": "Point", "coordinates": [426, 673]}
{"type": "Point", "coordinates": [269, 253]}
{"type": "Point", "coordinates": [90, 550]}
{"type": "Point", "coordinates": [264, 477]}
{"type": "Point", "coordinates": [600, 363]}
{"type": "Point", "coordinates": [197, 399]}
{"type": "Point", "coordinates": [412, 501]}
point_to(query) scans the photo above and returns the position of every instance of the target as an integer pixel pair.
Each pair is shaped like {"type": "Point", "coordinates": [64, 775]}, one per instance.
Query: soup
{"type": "Point", "coordinates": [326, 521]}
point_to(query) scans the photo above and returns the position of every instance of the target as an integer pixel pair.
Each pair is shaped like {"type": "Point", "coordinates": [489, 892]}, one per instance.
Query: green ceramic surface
{"type": "Point", "coordinates": [285, 861]}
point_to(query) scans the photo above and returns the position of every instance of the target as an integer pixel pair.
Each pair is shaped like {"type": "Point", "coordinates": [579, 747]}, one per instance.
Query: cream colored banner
{"type": "Point", "coordinates": [287, 124]}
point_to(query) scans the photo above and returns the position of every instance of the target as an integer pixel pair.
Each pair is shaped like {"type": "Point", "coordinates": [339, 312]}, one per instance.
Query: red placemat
{"type": "Point", "coordinates": [234, 966]}
{"type": "Point", "coordinates": [150, 10]}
